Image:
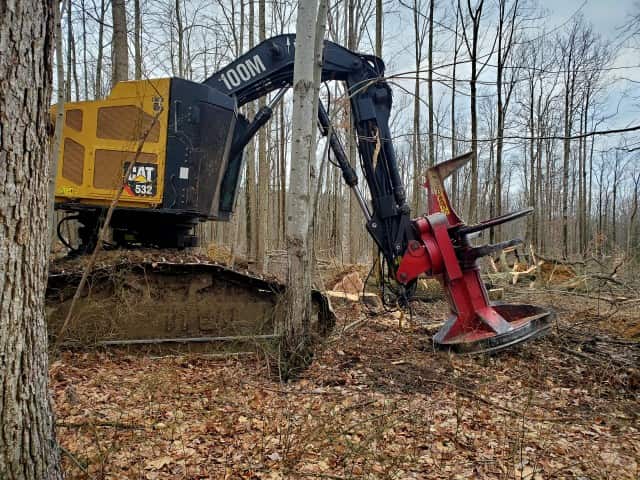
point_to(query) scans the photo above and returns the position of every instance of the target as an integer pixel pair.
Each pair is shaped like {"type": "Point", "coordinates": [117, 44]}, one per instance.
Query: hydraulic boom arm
{"type": "Point", "coordinates": [436, 244]}
{"type": "Point", "coordinates": [269, 67]}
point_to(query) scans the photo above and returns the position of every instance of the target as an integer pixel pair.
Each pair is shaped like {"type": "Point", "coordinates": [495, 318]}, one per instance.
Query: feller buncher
{"type": "Point", "coordinates": [188, 171]}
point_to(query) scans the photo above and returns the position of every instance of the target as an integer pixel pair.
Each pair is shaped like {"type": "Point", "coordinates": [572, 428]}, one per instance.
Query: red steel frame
{"type": "Point", "coordinates": [473, 318]}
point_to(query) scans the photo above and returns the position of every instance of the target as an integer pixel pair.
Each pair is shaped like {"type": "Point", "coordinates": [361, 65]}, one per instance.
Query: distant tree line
{"type": "Point", "coordinates": [495, 78]}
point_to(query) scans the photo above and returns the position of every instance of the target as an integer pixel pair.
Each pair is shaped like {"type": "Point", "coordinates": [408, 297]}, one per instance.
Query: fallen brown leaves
{"type": "Point", "coordinates": [377, 402]}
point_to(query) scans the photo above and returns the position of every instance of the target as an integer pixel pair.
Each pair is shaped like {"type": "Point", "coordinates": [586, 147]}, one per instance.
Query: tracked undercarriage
{"type": "Point", "coordinates": [169, 300]}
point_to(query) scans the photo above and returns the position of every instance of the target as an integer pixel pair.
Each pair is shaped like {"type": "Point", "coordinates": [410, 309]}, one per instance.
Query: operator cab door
{"type": "Point", "coordinates": [201, 127]}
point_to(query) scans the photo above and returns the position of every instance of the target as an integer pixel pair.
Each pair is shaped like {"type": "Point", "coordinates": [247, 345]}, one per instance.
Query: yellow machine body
{"type": "Point", "coordinates": [183, 174]}
{"type": "Point", "coordinates": [101, 137]}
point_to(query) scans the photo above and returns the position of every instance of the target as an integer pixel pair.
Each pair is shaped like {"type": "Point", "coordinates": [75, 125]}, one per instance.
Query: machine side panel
{"type": "Point", "coordinates": [101, 137]}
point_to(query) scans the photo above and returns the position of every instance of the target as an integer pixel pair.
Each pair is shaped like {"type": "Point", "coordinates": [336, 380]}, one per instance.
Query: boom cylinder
{"type": "Point", "coordinates": [348, 172]}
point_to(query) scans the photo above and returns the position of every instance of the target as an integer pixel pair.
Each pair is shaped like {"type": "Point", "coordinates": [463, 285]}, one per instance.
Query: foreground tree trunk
{"type": "Point", "coordinates": [295, 348]}
{"type": "Point", "coordinates": [27, 431]}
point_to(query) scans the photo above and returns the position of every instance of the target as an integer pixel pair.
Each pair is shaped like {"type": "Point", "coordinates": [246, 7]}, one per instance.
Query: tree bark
{"type": "Point", "coordinates": [28, 449]}
{"type": "Point", "coordinates": [379, 14]}
{"type": "Point", "coordinates": [251, 203]}
{"type": "Point", "coordinates": [74, 61]}
{"type": "Point", "coordinates": [85, 65]}
{"type": "Point", "coordinates": [99, 56]}
{"type": "Point", "coordinates": [180, 31]}
{"type": "Point", "coordinates": [432, 157]}
{"type": "Point", "coordinates": [631, 229]}
{"type": "Point", "coordinates": [282, 149]}
{"type": "Point", "coordinates": [137, 42]}
{"type": "Point", "coordinates": [475, 14]}
{"type": "Point", "coordinates": [295, 347]}
{"type": "Point", "coordinates": [67, 83]}
{"type": "Point", "coordinates": [59, 121]}
{"type": "Point", "coordinates": [454, 177]}
{"type": "Point", "coordinates": [473, 194]}
{"type": "Point", "coordinates": [506, 29]}
{"type": "Point", "coordinates": [264, 175]}
{"type": "Point", "coordinates": [355, 225]}
{"type": "Point", "coordinates": [417, 143]}
{"type": "Point", "coordinates": [120, 53]}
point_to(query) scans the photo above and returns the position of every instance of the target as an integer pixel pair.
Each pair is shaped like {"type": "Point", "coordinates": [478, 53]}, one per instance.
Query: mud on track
{"type": "Point", "coordinates": [165, 298]}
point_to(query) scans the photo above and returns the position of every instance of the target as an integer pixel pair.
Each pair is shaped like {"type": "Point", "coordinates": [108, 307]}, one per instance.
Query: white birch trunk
{"type": "Point", "coordinates": [295, 346]}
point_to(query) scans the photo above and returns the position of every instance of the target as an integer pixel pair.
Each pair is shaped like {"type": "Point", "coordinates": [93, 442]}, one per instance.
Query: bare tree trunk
{"type": "Point", "coordinates": [506, 29]}
{"type": "Point", "coordinates": [354, 210]}
{"type": "Point", "coordinates": [72, 55]}
{"type": "Point", "coordinates": [100, 54]}
{"type": "Point", "coordinates": [264, 176]}
{"type": "Point", "coordinates": [137, 42]}
{"type": "Point", "coordinates": [252, 210]}
{"type": "Point", "coordinates": [283, 172]}
{"type": "Point", "coordinates": [120, 53]}
{"type": "Point", "coordinates": [85, 65]}
{"type": "Point", "coordinates": [67, 83]}
{"type": "Point", "coordinates": [631, 229]}
{"type": "Point", "coordinates": [565, 175]}
{"type": "Point", "coordinates": [417, 144]}
{"type": "Point", "coordinates": [295, 345]}
{"type": "Point", "coordinates": [180, 32]}
{"type": "Point", "coordinates": [590, 189]}
{"type": "Point", "coordinates": [531, 222]}
{"type": "Point", "coordinates": [239, 45]}
{"type": "Point", "coordinates": [570, 63]}
{"type": "Point", "coordinates": [599, 247]}
{"type": "Point", "coordinates": [59, 124]}
{"type": "Point", "coordinates": [473, 194]}
{"type": "Point", "coordinates": [472, 49]}
{"type": "Point", "coordinates": [584, 211]}
{"type": "Point", "coordinates": [379, 14]}
{"type": "Point", "coordinates": [377, 269]}
{"type": "Point", "coordinates": [432, 158]}
{"type": "Point", "coordinates": [614, 209]}
{"type": "Point", "coordinates": [454, 177]}
{"type": "Point", "coordinates": [28, 448]}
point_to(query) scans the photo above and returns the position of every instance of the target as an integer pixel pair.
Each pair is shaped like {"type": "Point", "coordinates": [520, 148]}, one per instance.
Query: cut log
{"type": "Point", "coordinates": [343, 299]}
{"type": "Point", "coordinates": [351, 283]}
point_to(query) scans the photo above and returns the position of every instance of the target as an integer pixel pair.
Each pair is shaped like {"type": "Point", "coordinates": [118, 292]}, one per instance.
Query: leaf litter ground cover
{"type": "Point", "coordinates": [378, 402]}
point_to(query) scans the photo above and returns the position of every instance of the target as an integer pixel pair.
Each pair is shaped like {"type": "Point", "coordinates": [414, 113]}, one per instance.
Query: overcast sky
{"type": "Point", "coordinates": [606, 15]}
{"type": "Point", "coordinates": [607, 18]}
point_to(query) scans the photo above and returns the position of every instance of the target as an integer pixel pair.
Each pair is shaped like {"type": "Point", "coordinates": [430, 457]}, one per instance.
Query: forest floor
{"type": "Point", "coordinates": [377, 402]}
